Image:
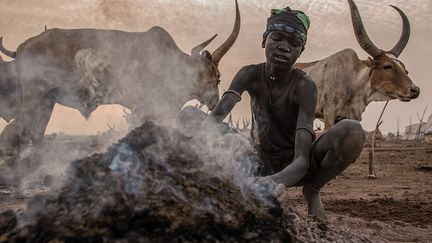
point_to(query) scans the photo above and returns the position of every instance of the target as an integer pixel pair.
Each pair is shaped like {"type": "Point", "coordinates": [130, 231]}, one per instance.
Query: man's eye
{"type": "Point", "coordinates": [295, 43]}
{"type": "Point", "coordinates": [276, 38]}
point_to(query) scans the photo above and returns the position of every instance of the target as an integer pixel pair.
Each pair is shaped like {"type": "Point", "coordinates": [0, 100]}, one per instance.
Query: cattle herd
{"type": "Point", "coordinates": [148, 73]}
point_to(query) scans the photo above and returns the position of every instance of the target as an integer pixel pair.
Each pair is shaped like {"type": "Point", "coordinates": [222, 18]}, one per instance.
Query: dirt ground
{"type": "Point", "coordinates": [394, 207]}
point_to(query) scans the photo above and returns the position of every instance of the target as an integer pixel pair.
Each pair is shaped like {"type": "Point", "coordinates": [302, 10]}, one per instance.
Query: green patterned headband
{"type": "Point", "coordinates": [299, 14]}
{"type": "Point", "coordinates": [291, 21]}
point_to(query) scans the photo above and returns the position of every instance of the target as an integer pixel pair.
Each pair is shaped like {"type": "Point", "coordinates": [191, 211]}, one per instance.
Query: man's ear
{"type": "Point", "coordinates": [303, 48]}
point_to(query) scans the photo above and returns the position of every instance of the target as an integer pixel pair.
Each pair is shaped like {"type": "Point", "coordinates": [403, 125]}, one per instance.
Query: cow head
{"type": "Point", "coordinates": [388, 74]}
{"type": "Point", "coordinates": [206, 90]}
{"type": "Point", "coordinates": [8, 92]}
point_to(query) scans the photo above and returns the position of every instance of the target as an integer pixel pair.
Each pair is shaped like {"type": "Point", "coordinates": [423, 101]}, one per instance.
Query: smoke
{"type": "Point", "coordinates": [82, 69]}
{"type": "Point", "coordinates": [227, 153]}
{"type": "Point", "coordinates": [232, 157]}
{"type": "Point", "coordinates": [152, 185]}
{"type": "Point", "coordinates": [55, 156]}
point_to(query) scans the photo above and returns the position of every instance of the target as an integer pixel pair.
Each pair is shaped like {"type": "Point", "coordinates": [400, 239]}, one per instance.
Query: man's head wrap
{"type": "Point", "coordinates": [287, 20]}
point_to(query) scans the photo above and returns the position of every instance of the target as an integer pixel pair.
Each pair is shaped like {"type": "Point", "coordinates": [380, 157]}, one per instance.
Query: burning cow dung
{"type": "Point", "coordinates": [156, 185]}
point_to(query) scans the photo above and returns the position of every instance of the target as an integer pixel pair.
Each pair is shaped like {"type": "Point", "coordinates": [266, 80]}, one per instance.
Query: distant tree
{"type": "Point", "coordinates": [419, 135]}
{"type": "Point", "coordinates": [409, 129]}
{"type": "Point", "coordinates": [397, 127]}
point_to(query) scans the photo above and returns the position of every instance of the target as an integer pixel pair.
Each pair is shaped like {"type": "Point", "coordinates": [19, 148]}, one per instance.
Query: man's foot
{"type": "Point", "coordinates": [313, 199]}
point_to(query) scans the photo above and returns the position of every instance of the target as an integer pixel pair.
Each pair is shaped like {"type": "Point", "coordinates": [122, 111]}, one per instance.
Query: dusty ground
{"type": "Point", "coordinates": [395, 207]}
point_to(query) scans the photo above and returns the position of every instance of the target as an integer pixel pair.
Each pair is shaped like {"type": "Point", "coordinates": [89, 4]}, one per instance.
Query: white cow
{"type": "Point", "coordinates": [346, 84]}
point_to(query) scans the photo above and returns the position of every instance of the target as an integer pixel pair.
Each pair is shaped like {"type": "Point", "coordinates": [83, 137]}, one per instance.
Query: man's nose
{"type": "Point", "coordinates": [284, 48]}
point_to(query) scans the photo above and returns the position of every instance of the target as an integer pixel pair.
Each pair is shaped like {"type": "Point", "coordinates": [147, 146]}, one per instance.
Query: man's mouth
{"type": "Point", "coordinates": [281, 58]}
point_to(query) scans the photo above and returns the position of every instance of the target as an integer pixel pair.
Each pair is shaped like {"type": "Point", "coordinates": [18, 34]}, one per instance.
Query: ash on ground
{"type": "Point", "coordinates": [158, 185]}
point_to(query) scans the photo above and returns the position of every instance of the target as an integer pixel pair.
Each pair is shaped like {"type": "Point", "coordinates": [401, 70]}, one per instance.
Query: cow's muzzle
{"type": "Point", "coordinates": [413, 93]}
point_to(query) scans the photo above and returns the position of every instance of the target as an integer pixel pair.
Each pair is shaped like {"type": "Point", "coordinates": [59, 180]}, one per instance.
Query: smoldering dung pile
{"type": "Point", "coordinates": [151, 186]}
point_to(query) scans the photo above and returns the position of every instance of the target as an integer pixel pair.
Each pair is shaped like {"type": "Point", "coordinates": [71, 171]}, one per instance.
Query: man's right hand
{"type": "Point", "coordinates": [265, 187]}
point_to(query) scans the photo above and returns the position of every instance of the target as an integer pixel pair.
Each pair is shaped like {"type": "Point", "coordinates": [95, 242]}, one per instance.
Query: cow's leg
{"type": "Point", "coordinates": [329, 121]}
{"type": "Point", "coordinates": [8, 138]}
{"type": "Point", "coordinates": [9, 141]}
{"type": "Point", "coordinates": [35, 114]}
{"type": "Point", "coordinates": [41, 119]}
{"type": "Point", "coordinates": [22, 138]}
{"type": "Point", "coordinates": [333, 152]}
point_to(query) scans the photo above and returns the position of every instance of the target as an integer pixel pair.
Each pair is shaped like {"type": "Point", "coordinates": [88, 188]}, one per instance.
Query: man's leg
{"type": "Point", "coordinates": [339, 147]}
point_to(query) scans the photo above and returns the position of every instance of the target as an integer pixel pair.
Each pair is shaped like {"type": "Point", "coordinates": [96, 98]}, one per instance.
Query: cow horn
{"type": "Point", "coordinates": [223, 49]}
{"type": "Point", "coordinates": [360, 32]}
{"type": "Point", "coordinates": [406, 31]}
{"type": "Point", "coordinates": [197, 49]}
{"type": "Point", "coordinates": [8, 53]}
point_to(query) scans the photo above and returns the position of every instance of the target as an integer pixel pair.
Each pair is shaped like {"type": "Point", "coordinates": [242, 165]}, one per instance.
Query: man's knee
{"type": "Point", "coordinates": [351, 130]}
{"type": "Point", "coordinates": [351, 137]}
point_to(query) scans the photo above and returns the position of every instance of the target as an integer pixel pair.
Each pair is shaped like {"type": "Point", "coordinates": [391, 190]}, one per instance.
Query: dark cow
{"type": "Point", "coordinates": [84, 68]}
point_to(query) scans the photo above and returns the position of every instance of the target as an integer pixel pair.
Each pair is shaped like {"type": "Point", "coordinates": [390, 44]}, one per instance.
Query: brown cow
{"type": "Point", "coordinates": [346, 84]}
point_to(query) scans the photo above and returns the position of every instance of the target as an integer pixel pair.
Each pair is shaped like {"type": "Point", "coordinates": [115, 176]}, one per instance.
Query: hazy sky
{"type": "Point", "coordinates": [193, 21]}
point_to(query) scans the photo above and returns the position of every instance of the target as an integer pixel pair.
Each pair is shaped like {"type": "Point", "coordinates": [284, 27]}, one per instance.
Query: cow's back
{"type": "Point", "coordinates": [63, 44]}
{"type": "Point", "coordinates": [334, 78]}
{"type": "Point", "coordinates": [127, 63]}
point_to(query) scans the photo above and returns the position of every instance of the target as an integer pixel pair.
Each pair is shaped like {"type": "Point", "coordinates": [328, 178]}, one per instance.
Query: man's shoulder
{"type": "Point", "coordinates": [302, 74]}
{"type": "Point", "coordinates": [305, 81]}
{"type": "Point", "coordinates": [248, 74]}
{"type": "Point", "coordinates": [251, 69]}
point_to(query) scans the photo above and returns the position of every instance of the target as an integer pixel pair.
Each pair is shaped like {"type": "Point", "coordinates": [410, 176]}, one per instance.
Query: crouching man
{"type": "Point", "coordinates": [283, 105]}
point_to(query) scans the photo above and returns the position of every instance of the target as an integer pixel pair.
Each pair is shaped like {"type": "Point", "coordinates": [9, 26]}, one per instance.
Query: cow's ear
{"type": "Point", "coordinates": [369, 62]}
{"type": "Point", "coordinates": [206, 55]}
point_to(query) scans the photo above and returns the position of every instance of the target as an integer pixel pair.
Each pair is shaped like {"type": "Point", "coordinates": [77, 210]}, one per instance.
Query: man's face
{"type": "Point", "coordinates": [282, 49]}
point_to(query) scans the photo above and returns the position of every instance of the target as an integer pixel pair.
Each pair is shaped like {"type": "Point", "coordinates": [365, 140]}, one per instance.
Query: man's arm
{"type": "Point", "coordinates": [241, 82]}
{"type": "Point", "coordinates": [306, 97]}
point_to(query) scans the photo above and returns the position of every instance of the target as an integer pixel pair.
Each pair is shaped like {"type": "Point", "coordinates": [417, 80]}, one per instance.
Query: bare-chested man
{"type": "Point", "coordinates": [283, 105]}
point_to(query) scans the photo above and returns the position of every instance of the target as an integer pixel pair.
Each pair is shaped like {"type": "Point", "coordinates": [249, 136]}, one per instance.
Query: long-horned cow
{"type": "Point", "coordinates": [346, 84]}
{"type": "Point", "coordinates": [84, 68]}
